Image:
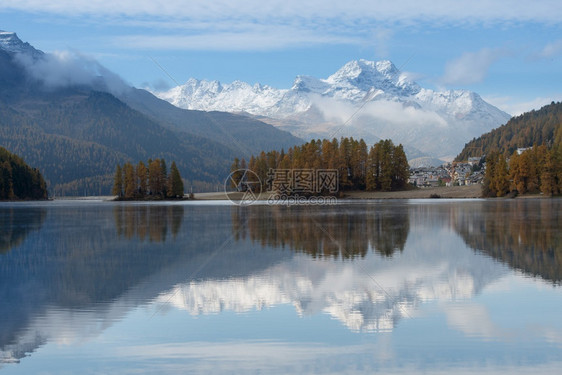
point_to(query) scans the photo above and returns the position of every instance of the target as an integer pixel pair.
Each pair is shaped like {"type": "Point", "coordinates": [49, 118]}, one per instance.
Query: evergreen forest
{"type": "Point", "coordinates": [381, 167]}
{"type": "Point", "coordinates": [18, 181]}
{"type": "Point", "coordinates": [147, 181]}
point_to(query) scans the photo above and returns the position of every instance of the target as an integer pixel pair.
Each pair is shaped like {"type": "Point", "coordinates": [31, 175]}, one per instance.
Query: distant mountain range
{"type": "Point", "coordinates": [75, 121]}
{"type": "Point", "coordinates": [363, 99]}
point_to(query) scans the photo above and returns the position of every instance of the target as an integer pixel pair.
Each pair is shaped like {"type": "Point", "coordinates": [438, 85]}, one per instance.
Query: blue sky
{"type": "Point", "coordinates": [510, 52]}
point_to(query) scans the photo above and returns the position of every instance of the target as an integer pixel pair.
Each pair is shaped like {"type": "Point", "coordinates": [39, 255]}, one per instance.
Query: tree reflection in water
{"type": "Point", "coordinates": [16, 226]}
{"type": "Point", "coordinates": [526, 234]}
{"type": "Point", "coordinates": [322, 231]}
{"type": "Point", "coordinates": [152, 222]}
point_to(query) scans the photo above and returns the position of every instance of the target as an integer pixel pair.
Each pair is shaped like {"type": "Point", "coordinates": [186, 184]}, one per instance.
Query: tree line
{"type": "Point", "coordinates": [537, 127]}
{"type": "Point", "coordinates": [147, 181]}
{"type": "Point", "coordinates": [18, 180]}
{"type": "Point", "coordinates": [382, 167]}
{"type": "Point", "coordinates": [536, 170]}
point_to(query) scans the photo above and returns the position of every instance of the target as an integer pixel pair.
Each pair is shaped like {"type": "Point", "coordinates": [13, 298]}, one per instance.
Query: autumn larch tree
{"type": "Point", "coordinates": [175, 184]}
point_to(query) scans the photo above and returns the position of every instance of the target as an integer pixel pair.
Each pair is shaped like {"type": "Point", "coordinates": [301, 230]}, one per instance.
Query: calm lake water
{"type": "Point", "coordinates": [421, 286]}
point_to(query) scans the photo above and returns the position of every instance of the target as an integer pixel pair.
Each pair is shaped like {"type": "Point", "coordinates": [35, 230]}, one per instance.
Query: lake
{"type": "Point", "coordinates": [396, 286]}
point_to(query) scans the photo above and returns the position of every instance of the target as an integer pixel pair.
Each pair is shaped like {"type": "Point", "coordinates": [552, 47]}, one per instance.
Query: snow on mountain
{"type": "Point", "coordinates": [212, 95]}
{"type": "Point", "coordinates": [346, 292]}
{"type": "Point", "coordinates": [10, 42]}
{"type": "Point", "coordinates": [356, 78]}
{"type": "Point", "coordinates": [429, 123]}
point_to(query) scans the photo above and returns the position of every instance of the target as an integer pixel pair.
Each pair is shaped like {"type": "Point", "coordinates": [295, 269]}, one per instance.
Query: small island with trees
{"type": "Point", "coordinates": [150, 181]}
{"type": "Point", "coordinates": [381, 167]}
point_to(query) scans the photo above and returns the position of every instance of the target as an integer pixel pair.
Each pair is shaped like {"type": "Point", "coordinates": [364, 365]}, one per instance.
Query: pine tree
{"type": "Point", "coordinates": [371, 179]}
{"type": "Point", "coordinates": [163, 177]}
{"type": "Point", "coordinates": [129, 181]}
{"type": "Point", "coordinates": [514, 174]}
{"type": "Point", "coordinates": [386, 170]}
{"type": "Point", "coordinates": [118, 182]}
{"type": "Point", "coordinates": [488, 184]}
{"type": "Point", "coordinates": [155, 178]}
{"type": "Point", "coordinates": [6, 184]}
{"type": "Point", "coordinates": [142, 176]}
{"type": "Point", "coordinates": [501, 180]}
{"type": "Point", "coordinates": [549, 185]}
{"type": "Point", "coordinates": [344, 163]}
{"type": "Point", "coordinates": [235, 173]}
{"type": "Point", "coordinates": [175, 187]}
{"type": "Point", "coordinates": [557, 159]}
{"type": "Point", "coordinates": [401, 168]}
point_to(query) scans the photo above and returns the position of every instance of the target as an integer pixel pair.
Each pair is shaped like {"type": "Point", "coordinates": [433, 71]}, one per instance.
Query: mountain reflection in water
{"type": "Point", "coordinates": [366, 264]}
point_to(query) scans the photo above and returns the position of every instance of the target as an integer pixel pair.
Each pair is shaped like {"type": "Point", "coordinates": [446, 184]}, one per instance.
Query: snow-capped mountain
{"type": "Point", "coordinates": [367, 99]}
{"type": "Point", "coordinates": [10, 42]}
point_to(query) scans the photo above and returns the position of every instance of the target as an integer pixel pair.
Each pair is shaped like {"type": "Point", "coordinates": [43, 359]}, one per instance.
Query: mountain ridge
{"type": "Point", "coordinates": [77, 127]}
{"type": "Point", "coordinates": [374, 100]}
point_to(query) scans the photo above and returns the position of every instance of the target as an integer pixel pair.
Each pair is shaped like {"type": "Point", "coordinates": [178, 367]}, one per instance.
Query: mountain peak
{"type": "Point", "coordinates": [357, 68]}
{"type": "Point", "coordinates": [436, 123]}
{"type": "Point", "coordinates": [366, 75]}
{"type": "Point", "coordinates": [10, 43]}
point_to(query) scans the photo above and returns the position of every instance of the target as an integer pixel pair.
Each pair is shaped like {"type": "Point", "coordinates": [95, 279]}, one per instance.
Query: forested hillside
{"type": "Point", "coordinates": [540, 127]}
{"type": "Point", "coordinates": [76, 133]}
{"type": "Point", "coordinates": [78, 141]}
{"type": "Point", "coordinates": [18, 180]}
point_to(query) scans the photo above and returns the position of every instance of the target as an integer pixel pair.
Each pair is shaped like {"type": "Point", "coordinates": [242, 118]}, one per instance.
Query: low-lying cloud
{"type": "Point", "coordinates": [385, 111]}
{"type": "Point", "coordinates": [67, 68]}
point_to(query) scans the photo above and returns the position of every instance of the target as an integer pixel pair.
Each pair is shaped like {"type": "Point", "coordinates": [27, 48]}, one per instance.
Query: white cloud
{"type": "Point", "coordinates": [254, 24]}
{"type": "Point", "coordinates": [471, 67]}
{"type": "Point", "coordinates": [252, 38]}
{"type": "Point", "coordinates": [551, 49]}
{"type": "Point", "coordinates": [473, 320]}
{"type": "Point", "coordinates": [405, 10]}
{"type": "Point", "coordinates": [59, 69]}
{"type": "Point", "coordinates": [382, 37]}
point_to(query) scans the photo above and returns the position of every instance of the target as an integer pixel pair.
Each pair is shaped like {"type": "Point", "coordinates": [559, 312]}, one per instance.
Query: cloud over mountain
{"type": "Point", "coordinates": [363, 99]}
{"type": "Point", "coordinates": [66, 68]}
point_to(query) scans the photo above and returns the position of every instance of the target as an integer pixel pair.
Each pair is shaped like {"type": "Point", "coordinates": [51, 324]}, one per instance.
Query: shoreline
{"type": "Point", "coordinates": [443, 192]}
{"type": "Point", "coordinates": [459, 192]}
{"type": "Point", "coordinates": [447, 192]}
